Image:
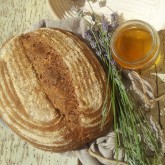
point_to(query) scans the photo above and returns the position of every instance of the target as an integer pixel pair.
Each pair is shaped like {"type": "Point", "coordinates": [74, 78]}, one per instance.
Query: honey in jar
{"type": "Point", "coordinates": [135, 45]}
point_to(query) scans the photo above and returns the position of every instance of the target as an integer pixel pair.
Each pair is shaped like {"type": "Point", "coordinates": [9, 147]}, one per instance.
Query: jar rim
{"type": "Point", "coordinates": [148, 27]}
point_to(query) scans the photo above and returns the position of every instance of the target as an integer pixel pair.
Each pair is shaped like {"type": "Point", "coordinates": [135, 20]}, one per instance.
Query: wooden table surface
{"type": "Point", "coordinates": [16, 16]}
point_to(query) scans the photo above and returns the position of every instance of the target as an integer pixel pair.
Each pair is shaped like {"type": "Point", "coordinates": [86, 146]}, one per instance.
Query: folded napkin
{"type": "Point", "coordinates": [102, 150]}
{"type": "Point", "coordinates": [75, 25]}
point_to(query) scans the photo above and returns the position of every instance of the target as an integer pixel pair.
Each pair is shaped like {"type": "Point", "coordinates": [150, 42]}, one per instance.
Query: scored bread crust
{"type": "Point", "coordinates": [52, 90]}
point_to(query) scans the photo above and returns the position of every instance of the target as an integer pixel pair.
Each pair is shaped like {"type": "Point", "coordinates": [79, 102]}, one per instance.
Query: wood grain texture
{"type": "Point", "coordinates": [157, 73]}
{"type": "Point", "coordinates": [16, 17]}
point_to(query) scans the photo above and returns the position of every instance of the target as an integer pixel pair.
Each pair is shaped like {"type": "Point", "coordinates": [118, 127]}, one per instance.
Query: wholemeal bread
{"type": "Point", "coordinates": [52, 90]}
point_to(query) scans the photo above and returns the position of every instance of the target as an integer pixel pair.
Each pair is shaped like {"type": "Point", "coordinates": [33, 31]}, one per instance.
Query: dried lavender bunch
{"type": "Point", "coordinates": [133, 133]}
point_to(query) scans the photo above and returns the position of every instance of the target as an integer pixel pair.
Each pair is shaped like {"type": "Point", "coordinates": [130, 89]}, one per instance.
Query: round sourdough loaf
{"type": "Point", "coordinates": [52, 90]}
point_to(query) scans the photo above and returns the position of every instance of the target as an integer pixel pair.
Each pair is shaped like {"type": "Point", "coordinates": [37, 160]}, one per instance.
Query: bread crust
{"type": "Point", "coordinates": [52, 90]}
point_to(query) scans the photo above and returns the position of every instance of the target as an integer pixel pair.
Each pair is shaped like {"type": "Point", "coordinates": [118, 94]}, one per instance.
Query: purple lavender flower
{"type": "Point", "coordinates": [111, 28]}
{"type": "Point", "coordinates": [98, 52]}
{"type": "Point", "coordinates": [114, 17]}
{"type": "Point", "coordinates": [112, 62]}
{"type": "Point", "coordinates": [114, 25]}
{"type": "Point", "coordinates": [109, 34]}
{"type": "Point", "coordinates": [106, 38]}
{"type": "Point", "coordinates": [106, 55]}
{"type": "Point", "coordinates": [93, 44]}
{"type": "Point", "coordinates": [99, 36]}
{"type": "Point", "coordinates": [105, 24]}
{"type": "Point", "coordinates": [114, 21]}
{"type": "Point", "coordinates": [88, 35]}
{"type": "Point", "coordinates": [101, 41]}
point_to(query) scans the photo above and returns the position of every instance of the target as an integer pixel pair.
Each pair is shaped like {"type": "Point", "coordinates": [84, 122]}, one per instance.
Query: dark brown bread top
{"type": "Point", "coordinates": [52, 90]}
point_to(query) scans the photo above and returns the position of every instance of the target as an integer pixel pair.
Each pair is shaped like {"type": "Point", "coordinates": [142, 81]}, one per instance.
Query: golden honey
{"type": "Point", "coordinates": [135, 45]}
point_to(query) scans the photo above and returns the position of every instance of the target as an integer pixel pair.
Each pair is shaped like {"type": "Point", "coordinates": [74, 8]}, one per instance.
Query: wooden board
{"type": "Point", "coordinates": [16, 16]}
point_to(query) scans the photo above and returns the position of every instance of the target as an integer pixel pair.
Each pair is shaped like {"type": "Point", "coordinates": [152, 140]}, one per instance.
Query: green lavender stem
{"type": "Point", "coordinates": [129, 121]}
{"type": "Point", "coordinates": [133, 132]}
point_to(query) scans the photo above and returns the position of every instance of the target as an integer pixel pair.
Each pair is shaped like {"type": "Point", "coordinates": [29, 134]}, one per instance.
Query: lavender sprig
{"type": "Point", "coordinates": [127, 117]}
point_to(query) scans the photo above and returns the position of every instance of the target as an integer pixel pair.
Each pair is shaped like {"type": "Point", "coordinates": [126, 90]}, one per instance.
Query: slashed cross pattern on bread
{"type": "Point", "coordinates": [52, 90]}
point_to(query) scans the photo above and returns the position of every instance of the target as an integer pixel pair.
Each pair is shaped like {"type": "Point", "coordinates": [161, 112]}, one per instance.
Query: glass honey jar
{"type": "Point", "coordinates": [135, 45]}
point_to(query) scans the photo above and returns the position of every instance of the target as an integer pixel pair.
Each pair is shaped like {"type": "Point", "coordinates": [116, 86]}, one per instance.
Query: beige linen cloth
{"type": "Point", "coordinates": [102, 150]}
